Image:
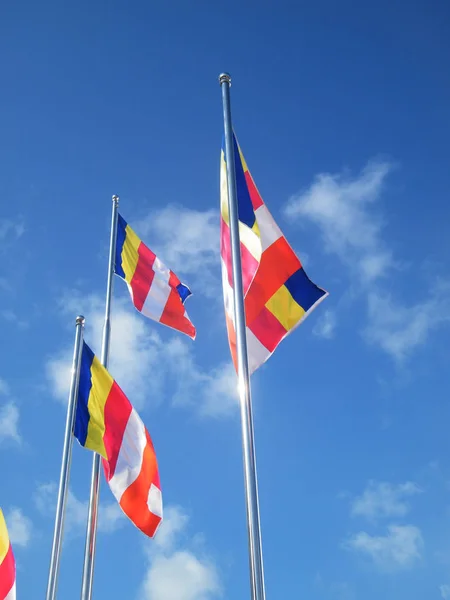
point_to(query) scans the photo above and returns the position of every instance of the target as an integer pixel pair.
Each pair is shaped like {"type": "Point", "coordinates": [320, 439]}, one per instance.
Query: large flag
{"type": "Point", "coordinates": [155, 290]}
{"type": "Point", "coordinates": [278, 294]}
{"type": "Point", "coordinates": [106, 423]}
{"type": "Point", "coordinates": [7, 564]}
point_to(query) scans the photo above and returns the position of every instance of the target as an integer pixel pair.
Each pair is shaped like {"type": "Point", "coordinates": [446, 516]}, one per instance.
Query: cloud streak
{"type": "Point", "coordinates": [342, 207]}
{"type": "Point", "coordinates": [401, 547]}
{"type": "Point", "coordinates": [148, 368]}
{"type": "Point", "coordinates": [178, 571]}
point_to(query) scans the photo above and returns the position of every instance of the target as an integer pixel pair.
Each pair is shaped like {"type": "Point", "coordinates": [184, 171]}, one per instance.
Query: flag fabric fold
{"type": "Point", "coordinates": [7, 564]}
{"type": "Point", "coordinates": [155, 290]}
{"type": "Point", "coordinates": [107, 423]}
{"type": "Point", "coordinates": [278, 295]}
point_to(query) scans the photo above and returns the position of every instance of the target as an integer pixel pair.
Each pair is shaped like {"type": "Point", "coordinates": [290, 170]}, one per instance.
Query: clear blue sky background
{"type": "Point", "coordinates": [342, 112]}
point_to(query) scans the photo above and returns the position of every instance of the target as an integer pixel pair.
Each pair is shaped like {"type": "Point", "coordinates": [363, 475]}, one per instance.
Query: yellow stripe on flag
{"type": "Point", "coordinates": [130, 254]}
{"type": "Point", "coordinates": [101, 386]}
{"type": "Point", "coordinates": [283, 306]}
{"type": "Point", "coordinates": [4, 538]}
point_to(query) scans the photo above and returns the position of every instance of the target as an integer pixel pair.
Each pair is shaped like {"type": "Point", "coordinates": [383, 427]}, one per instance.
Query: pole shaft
{"type": "Point", "coordinates": [248, 445]}
{"type": "Point", "coordinates": [91, 531]}
{"type": "Point", "coordinates": [65, 463]}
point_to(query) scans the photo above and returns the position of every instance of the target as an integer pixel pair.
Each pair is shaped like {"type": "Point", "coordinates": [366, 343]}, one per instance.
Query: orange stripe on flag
{"type": "Point", "coordinates": [134, 499]}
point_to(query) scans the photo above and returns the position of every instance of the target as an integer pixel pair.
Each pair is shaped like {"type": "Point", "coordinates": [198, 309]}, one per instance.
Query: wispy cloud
{"type": "Point", "coordinates": [400, 548]}
{"type": "Point", "coordinates": [11, 317]}
{"type": "Point", "coordinates": [326, 325]}
{"type": "Point", "coordinates": [399, 329]}
{"type": "Point", "coordinates": [145, 366]}
{"type": "Point", "coordinates": [9, 416]}
{"type": "Point", "coordinates": [19, 527]}
{"type": "Point", "coordinates": [445, 591]}
{"type": "Point", "coordinates": [11, 228]}
{"type": "Point", "coordinates": [178, 570]}
{"type": "Point", "coordinates": [340, 205]}
{"type": "Point", "coordinates": [343, 208]}
{"type": "Point", "coordinates": [382, 499]}
{"type": "Point", "coordinates": [111, 517]}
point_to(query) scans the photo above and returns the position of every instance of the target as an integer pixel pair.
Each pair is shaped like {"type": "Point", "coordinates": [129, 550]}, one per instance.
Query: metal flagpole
{"type": "Point", "coordinates": [91, 531]}
{"type": "Point", "coordinates": [65, 463]}
{"type": "Point", "coordinates": [248, 444]}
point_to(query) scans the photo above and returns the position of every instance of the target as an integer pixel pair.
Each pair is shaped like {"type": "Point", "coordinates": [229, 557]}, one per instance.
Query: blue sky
{"type": "Point", "coordinates": [341, 110]}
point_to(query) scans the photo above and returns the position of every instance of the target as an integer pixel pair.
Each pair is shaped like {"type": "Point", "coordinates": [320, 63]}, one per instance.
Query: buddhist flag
{"type": "Point", "coordinates": [155, 290]}
{"type": "Point", "coordinates": [106, 423]}
{"type": "Point", "coordinates": [7, 564]}
{"type": "Point", "coordinates": [278, 294]}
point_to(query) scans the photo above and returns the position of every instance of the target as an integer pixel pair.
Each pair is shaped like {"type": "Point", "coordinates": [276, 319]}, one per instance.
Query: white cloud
{"type": "Point", "coordinates": [384, 500]}
{"type": "Point", "coordinates": [340, 206]}
{"type": "Point", "coordinates": [9, 421]}
{"type": "Point", "coordinates": [173, 524]}
{"type": "Point", "coordinates": [180, 576]}
{"type": "Point", "coordinates": [400, 549]}
{"type": "Point", "coordinates": [178, 573]}
{"type": "Point", "coordinates": [19, 527]}
{"type": "Point", "coordinates": [110, 517]}
{"type": "Point", "coordinates": [398, 329]}
{"type": "Point", "coordinates": [187, 241]}
{"type": "Point", "coordinates": [326, 325]}
{"type": "Point", "coordinates": [445, 591]}
{"type": "Point", "coordinates": [146, 367]}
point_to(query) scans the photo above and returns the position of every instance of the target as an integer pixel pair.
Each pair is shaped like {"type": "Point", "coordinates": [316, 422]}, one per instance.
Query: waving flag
{"type": "Point", "coordinates": [7, 564]}
{"type": "Point", "coordinates": [278, 294]}
{"type": "Point", "coordinates": [155, 290]}
{"type": "Point", "coordinates": [106, 423]}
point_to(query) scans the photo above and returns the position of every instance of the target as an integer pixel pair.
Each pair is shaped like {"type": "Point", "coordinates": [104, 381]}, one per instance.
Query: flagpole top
{"type": "Point", "coordinates": [225, 78]}
{"type": "Point", "coordinates": [79, 320]}
{"type": "Point", "coordinates": [115, 199]}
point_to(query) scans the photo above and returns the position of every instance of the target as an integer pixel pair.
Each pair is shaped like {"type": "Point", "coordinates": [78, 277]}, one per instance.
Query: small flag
{"type": "Point", "coordinates": [7, 564]}
{"type": "Point", "coordinates": [155, 290]}
{"type": "Point", "coordinates": [278, 294]}
{"type": "Point", "coordinates": [107, 423]}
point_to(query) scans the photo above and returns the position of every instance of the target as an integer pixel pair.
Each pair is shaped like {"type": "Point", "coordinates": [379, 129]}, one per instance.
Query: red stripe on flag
{"type": "Point", "coordinates": [173, 280]}
{"type": "Point", "coordinates": [134, 499]}
{"type": "Point", "coordinates": [143, 276]}
{"type": "Point", "coordinates": [174, 315]}
{"type": "Point", "coordinates": [268, 329]}
{"type": "Point", "coordinates": [255, 196]}
{"type": "Point", "coordinates": [7, 573]}
{"type": "Point", "coordinates": [278, 263]}
{"type": "Point", "coordinates": [117, 412]}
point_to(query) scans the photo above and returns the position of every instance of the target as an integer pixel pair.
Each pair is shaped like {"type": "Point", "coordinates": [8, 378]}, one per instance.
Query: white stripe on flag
{"type": "Point", "coordinates": [154, 501]}
{"type": "Point", "coordinates": [269, 230]}
{"type": "Point", "coordinates": [11, 595]}
{"type": "Point", "coordinates": [257, 353]}
{"type": "Point", "coordinates": [158, 293]}
{"type": "Point", "coordinates": [131, 453]}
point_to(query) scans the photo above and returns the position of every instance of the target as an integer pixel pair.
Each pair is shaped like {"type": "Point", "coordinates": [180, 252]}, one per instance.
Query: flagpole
{"type": "Point", "coordinates": [248, 444]}
{"type": "Point", "coordinates": [91, 531]}
{"type": "Point", "coordinates": [65, 462]}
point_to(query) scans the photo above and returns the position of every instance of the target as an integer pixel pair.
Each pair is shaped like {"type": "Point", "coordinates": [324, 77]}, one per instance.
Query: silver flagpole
{"type": "Point", "coordinates": [65, 463]}
{"type": "Point", "coordinates": [248, 444]}
{"type": "Point", "coordinates": [91, 531]}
